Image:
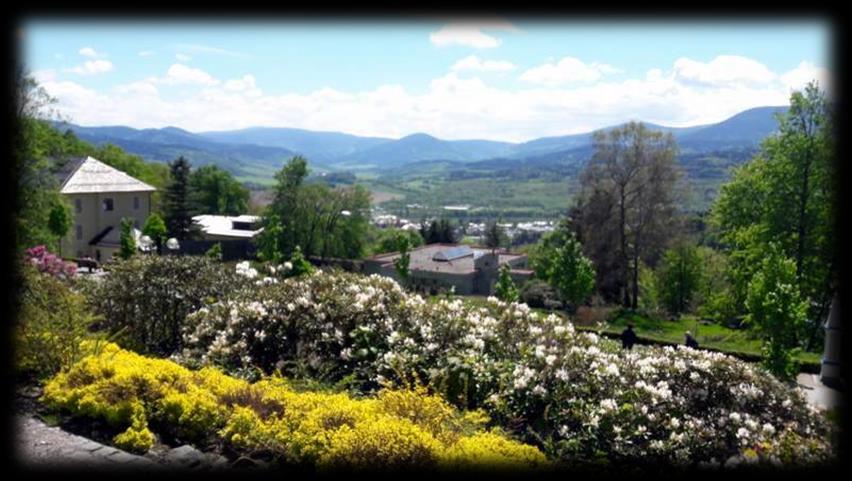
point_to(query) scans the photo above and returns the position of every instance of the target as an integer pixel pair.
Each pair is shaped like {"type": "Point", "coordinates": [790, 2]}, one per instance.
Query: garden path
{"type": "Point", "coordinates": [42, 446]}
{"type": "Point", "coordinates": [818, 394]}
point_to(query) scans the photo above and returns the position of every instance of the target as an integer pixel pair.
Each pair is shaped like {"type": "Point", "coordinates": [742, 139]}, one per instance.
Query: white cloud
{"type": "Point", "coordinates": [147, 53]}
{"type": "Point", "coordinates": [451, 106]}
{"type": "Point", "coordinates": [183, 57]}
{"type": "Point", "coordinates": [472, 62]}
{"type": "Point", "coordinates": [46, 75]}
{"type": "Point", "coordinates": [179, 74]}
{"type": "Point", "coordinates": [567, 70]}
{"type": "Point", "coordinates": [91, 67]}
{"type": "Point", "coordinates": [797, 78]}
{"type": "Point", "coordinates": [723, 70]}
{"type": "Point", "coordinates": [470, 34]}
{"type": "Point", "coordinates": [89, 52]}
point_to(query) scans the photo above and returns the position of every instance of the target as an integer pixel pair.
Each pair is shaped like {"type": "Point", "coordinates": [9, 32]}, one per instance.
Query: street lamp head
{"type": "Point", "coordinates": [145, 242]}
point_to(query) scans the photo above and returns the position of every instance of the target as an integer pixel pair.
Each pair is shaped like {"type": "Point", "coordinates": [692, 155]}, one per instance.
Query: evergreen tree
{"type": "Point", "coordinates": [128, 242]}
{"type": "Point", "coordinates": [178, 209]}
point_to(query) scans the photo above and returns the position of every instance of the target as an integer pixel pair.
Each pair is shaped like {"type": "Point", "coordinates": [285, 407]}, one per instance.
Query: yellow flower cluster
{"type": "Point", "coordinates": [395, 429]}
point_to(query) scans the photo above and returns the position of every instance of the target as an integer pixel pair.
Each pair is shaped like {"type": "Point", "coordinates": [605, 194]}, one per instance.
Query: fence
{"type": "Point", "coordinates": [232, 250]}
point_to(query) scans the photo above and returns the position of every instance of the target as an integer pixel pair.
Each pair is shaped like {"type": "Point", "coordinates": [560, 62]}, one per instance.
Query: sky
{"type": "Point", "coordinates": [489, 78]}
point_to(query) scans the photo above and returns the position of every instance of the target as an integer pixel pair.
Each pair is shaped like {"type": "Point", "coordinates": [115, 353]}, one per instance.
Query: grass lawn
{"type": "Point", "coordinates": [713, 336]}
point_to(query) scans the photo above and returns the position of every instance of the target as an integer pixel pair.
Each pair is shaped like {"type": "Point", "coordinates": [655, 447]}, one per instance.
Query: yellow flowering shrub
{"type": "Point", "coordinates": [395, 429]}
{"type": "Point", "coordinates": [386, 442]}
{"type": "Point", "coordinates": [491, 450]}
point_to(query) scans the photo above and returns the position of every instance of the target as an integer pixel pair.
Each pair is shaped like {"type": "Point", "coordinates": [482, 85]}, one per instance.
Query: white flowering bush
{"type": "Point", "coordinates": [576, 395]}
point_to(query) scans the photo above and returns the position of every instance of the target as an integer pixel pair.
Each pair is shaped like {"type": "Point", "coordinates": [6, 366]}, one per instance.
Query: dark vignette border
{"type": "Point", "coordinates": [347, 12]}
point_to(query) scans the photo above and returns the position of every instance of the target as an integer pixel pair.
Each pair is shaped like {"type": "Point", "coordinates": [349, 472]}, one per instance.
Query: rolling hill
{"type": "Point", "coordinates": [707, 151]}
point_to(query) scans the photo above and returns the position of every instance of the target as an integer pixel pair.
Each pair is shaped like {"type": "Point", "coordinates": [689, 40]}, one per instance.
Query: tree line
{"type": "Point", "coordinates": [763, 257]}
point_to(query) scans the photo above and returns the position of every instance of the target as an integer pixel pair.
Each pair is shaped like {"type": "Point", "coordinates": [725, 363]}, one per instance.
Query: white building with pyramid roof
{"type": "Point", "coordinates": [100, 196]}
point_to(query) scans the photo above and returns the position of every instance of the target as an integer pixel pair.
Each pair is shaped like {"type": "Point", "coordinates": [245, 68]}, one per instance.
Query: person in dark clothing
{"type": "Point", "coordinates": [628, 337]}
{"type": "Point", "coordinates": [690, 341]}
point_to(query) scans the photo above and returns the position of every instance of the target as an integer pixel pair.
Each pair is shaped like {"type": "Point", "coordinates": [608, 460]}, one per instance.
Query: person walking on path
{"type": "Point", "coordinates": [628, 337]}
{"type": "Point", "coordinates": [690, 341]}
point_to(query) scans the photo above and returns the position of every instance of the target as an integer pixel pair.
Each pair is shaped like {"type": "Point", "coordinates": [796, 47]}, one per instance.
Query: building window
{"type": "Point", "coordinates": [98, 255]}
{"type": "Point", "coordinates": [108, 205]}
{"type": "Point", "coordinates": [79, 232]}
{"type": "Point", "coordinates": [78, 205]}
{"type": "Point", "coordinates": [136, 203]}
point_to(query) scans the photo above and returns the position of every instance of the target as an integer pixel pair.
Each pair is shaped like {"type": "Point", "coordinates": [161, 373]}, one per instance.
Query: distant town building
{"type": "Point", "coordinates": [223, 227]}
{"type": "Point", "coordinates": [100, 196]}
{"type": "Point", "coordinates": [469, 269]}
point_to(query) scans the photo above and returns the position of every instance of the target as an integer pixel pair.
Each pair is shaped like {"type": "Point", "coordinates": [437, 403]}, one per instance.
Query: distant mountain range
{"type": "Point", "coordinates": [254, 153]}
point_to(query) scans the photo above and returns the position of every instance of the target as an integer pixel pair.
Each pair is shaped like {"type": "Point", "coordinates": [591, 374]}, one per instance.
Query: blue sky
{"type": "Point", "coordinates": [494, 78]}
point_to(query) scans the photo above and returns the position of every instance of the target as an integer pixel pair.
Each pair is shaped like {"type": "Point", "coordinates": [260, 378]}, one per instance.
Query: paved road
{"type": "Point", "coordinates": [40, 445]}
{"type": "Point", "coordinates": [818, 394]}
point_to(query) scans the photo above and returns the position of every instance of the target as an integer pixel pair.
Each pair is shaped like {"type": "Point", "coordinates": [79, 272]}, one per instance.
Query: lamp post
{"type": "Point", "coordinates": [173, 245]}
{"type": "Point", "coordinates": [145, 243]}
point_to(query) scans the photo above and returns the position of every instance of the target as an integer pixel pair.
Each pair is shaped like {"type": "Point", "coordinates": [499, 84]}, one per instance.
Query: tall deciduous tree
{"type": "Point", "coordinates": [60, 222]}
{"type": "Point", "coordinates": [37, 190]}
{"type": "Point", "coordinates": [217, 192]}
{"type": "Point", "coordinates": [777, 310]}
{"type": "Point", "coordinates": [178, 208]}
{"type": "Point", "coordinates": [626, 209]}
{"type": "Point", "coordinates": [288, 185]}
{"type": "Point", "coordinates": [680, 277]}
{"type": "Point", "coordinates": [324, 221]}
{"type": "Point", "coordinates": [786, 195]}
{"type": "Point", "coordinates": [558, 259]}
{"type": "Point", "coordinates": [495, 237]}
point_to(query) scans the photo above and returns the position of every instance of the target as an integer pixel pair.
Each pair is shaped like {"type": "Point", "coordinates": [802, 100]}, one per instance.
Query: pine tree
{"type": "Point", "coordinates": [128, 243]}
{"type": "Point", "coordinates": [178, 214]}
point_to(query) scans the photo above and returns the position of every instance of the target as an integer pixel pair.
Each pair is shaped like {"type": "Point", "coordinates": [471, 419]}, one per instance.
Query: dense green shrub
{"type": "Point", "coordinates": [777, 310]}
{"type": "Point", "coordinates": [52, 320]}
{"type": "Point", "coordinates": [149, 296]}
{"type": "Point", "coordinates": [538, 293]}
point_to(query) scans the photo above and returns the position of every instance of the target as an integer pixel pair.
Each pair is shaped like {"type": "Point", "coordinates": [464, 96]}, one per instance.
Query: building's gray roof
{"type": "Point", "coordinates": [423, 258]}
{"type": "Point", "coordinates": [90, 175]}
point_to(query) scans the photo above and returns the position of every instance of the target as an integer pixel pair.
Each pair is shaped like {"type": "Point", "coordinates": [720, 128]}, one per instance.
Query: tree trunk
{"type": "Point", "coordinates": [622, 230]}
{"type": "Point", "coordinates": [802, 228]}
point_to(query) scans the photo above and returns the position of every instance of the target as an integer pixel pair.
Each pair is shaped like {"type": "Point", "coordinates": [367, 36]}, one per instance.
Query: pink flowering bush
{"type": "Point", "coordinates": [50, 263]}
{"type": "Point", "coordinates": [578, 396]}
